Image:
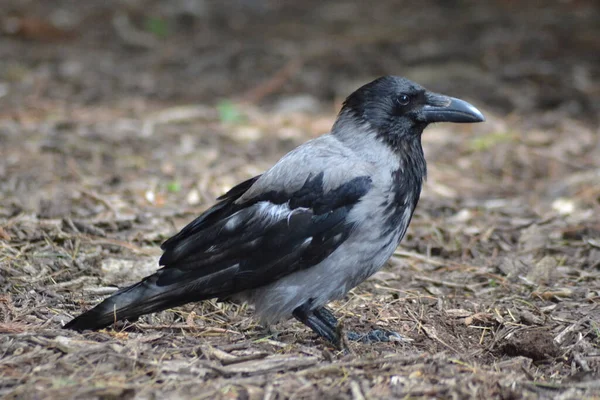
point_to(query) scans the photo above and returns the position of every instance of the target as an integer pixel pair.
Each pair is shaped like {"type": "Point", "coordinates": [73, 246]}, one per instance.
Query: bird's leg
{"type": "Point", "coordinates": [325, 324]}
{"type": "Point", "coordinates": [320, 320]}
{"type": "Point", "coordinates": [325, 315]}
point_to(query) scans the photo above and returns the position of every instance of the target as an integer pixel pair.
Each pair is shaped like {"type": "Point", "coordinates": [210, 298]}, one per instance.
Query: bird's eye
{"type": "Point", "coordinates": [403, 99]}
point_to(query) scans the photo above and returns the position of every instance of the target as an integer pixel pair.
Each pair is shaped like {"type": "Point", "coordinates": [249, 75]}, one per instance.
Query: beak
{"type": "Point", "coordinates": [441, 108]}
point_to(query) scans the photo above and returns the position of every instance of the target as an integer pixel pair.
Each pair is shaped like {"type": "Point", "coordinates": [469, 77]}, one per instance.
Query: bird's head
{"type": "Point", "coordinates": [398, 109]}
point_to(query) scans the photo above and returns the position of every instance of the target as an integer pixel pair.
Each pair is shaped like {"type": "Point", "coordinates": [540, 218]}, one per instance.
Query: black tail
{"type": "Point", "coordinates": [131, 302]}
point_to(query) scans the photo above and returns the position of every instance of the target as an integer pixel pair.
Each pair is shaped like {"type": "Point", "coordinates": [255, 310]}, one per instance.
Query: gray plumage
{"type": "Point", "coordinates": [366, 249]}
{"type": "Point", "coordinates": [323, 219]}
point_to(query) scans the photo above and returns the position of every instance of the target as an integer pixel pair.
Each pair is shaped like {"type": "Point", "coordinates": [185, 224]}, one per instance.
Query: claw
{"type": "Point", "coordinates": [375, 336]}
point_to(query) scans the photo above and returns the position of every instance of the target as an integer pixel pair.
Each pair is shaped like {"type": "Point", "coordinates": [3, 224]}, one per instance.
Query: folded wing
{"type": "Point", "coordinates": [240, 244]}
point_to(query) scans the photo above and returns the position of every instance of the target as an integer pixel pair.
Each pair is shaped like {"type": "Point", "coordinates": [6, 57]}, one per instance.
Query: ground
{"type": "Point", "coordinates": [121, 121]}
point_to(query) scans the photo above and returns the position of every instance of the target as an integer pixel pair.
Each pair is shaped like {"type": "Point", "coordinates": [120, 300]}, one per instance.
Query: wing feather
{"type": "Point", "coordinates": [245, 242]}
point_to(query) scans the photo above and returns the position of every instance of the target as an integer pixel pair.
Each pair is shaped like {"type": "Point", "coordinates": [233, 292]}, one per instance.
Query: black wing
{"type": "Point", "coordinates": [223, 209]}
{"type": "Point", "coordinates": [234, 247]}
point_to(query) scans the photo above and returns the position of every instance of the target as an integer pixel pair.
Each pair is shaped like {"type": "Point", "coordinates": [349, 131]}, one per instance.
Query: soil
{"type": "Point", "coordinates": [122, 121]}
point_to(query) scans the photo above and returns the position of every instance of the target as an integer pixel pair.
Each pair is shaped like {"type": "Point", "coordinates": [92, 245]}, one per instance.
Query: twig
{"type": "Point", "coordinates": [360, 363]}
{"type": "Point", "coordinates": [100, 199]}
{"type": "Point", "coordinates": [269, 390]}
{"type": "Point", "coordinates": [561, 336]}
{"type": "Point", "coordinates": [44, 333]}
{"type": "Point", "coordinates": [250, 357]}
{"type": "Point", "coordinates": [271, 364]}
{"type": "Point", "coordinates": [432, 333]}
{"type": "Point", "coordinates": [595, 384]}
{"type": "Point", "coordinates": [186, 327]}
{"type": "Point", "coordinates": [100, 291]}
{"type": "Point", "coordinates": [420, 257]}
{"type": "Point", "coordinates": [445, 283]}
{"type": "Point", "coordinates": [357, 393]}
{"type": "Point", "coordinates": [74, 282]}
{"type": "Point", "coordinates": [279, 79]}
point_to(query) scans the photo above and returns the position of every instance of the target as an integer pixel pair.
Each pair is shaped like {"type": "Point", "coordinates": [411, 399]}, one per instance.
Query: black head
{"type": "Point", "coordinates": [399, 109]}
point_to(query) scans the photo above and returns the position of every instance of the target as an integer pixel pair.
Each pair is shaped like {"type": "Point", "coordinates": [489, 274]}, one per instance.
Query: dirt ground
{"type": "Point", "coordinates": [122, 121]}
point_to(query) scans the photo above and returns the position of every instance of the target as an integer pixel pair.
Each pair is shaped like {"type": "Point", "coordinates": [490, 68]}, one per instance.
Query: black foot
{"type": "Point", "coordinates": [321, 321]}
{"type": "Point", "coordinates": [325, 314]}
{"type": "Point", "coordinates": [375, 336]}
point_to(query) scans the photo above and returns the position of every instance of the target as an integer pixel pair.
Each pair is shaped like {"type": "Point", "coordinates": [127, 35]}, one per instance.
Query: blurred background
{"type": "Point", "coordinates": [122, 120]}
{"type": "Point", "coordinates": [159, 80]}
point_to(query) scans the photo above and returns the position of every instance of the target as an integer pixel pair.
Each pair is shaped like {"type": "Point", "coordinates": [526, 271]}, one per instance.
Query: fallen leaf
{"type": "Point", "coordinates": [4, 235]}
{"type": "Point", "coordinates": [33, 28]}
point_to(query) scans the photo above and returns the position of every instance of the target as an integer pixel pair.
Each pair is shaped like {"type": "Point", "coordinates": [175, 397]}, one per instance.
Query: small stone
{"type": "Point", "coordinates": [193, 197]}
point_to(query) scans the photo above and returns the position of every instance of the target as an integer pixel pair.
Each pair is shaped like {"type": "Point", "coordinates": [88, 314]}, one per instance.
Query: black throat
{"type": "Point", "coordinates": [412, 160]}
{"type": "Point", "coordinates": [408, 181]}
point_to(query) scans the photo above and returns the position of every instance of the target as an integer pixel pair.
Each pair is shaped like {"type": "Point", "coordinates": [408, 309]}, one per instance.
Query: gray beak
{"type": "Point", "coordinates": [441, 108]}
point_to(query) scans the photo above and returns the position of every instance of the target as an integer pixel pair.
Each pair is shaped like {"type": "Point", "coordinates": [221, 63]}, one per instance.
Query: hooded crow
{"type": "Point", "coordinates": [323, 219]}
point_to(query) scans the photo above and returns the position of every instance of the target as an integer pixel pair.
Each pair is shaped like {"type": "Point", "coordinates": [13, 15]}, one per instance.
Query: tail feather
{"type": "Point", "coordinates": [131, 302]}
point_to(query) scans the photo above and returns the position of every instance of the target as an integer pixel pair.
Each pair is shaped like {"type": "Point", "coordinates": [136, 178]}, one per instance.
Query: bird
{"type": "Point", "coordinates": [324, 218]}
